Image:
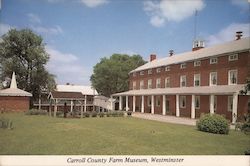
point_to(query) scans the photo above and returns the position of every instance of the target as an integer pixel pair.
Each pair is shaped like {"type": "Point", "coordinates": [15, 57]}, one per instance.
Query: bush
{"type": "Point", "coordinates": [213, 124]}
{"type": "Point", "coordinates": [101, 114]}
{"type": "Point", "coordinates": [6, 123]}
{"type": "Point", "coordinates": [109, 114]}
{"type": "Point", "coordinates": [120, 113]}
{"type": "Point", "coordinates": [94, 114]}
{"type": "Point", "coordinates": [86, 114]}
{"type": "Point", "coordinates": [129, 113]}
{"type": "Point", "coordinates": [36, 112]}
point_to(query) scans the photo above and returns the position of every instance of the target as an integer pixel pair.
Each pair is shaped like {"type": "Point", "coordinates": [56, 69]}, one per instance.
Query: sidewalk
{"type": "Point", "coordinates": [165, 118]}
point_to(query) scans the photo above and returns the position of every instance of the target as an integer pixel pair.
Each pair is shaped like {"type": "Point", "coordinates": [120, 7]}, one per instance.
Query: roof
{"type": "Point", "coordinates": [66, 95]}
{"type": "Point", "coordinates": [103, 98]}
{"type": "Point", "coordinates": [14, 92]}
{"type": "Point", "coordinates": [85, 90]}
{"type": "Point", "coordinates": [202, 90]}
{"type": "Point", "coordinates": [221, 49]}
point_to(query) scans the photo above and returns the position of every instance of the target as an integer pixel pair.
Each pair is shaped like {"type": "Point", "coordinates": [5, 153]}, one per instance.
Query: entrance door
{"type": "Point", "coordinates": [167, 106]}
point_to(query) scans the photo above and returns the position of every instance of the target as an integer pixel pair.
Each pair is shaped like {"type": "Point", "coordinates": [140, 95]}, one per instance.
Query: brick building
{"type": "Point", "coordinates": [204, 80]}
{"type": "Point", "coordinates": [14, 99]}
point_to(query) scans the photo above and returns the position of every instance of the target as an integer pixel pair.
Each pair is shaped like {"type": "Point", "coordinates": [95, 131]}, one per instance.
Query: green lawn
{"type": "Point", "coordinates": [113, 136]}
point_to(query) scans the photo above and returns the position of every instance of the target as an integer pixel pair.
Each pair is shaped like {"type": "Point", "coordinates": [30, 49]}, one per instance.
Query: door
{"type": "Point", "coordinates": [167, 106]}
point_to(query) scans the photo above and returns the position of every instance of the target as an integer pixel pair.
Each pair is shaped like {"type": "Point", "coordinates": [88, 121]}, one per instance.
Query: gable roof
{"type": "Point", "coordinates": [66, 95]}
{"type": "Point", "coordinates": [221, 49]}
{"type": "Point", "coordinates": [85, 90]}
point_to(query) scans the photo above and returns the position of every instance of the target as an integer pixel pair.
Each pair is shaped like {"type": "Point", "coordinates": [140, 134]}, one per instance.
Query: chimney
{"type": "Point", "coordinates": [171, 52]}
{"type": "Point", "coordinates": [152, 57]}
{"type": "Point", "coordinates": [198, 44]}
{"type": "Point", "coordinates": [238, 35]}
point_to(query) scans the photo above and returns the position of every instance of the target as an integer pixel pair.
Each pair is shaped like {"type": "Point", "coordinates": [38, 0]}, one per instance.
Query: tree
{"type": "Point", "coordinates": [110, 75]}
{"type": "Point", "coordinates": [24, 52]}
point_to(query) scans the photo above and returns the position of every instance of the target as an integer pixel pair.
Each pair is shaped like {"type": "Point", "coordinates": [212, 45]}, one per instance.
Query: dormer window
{"type": "Point", "coordinates": [167, 68]}
{"type": "Point", "coordinates": [141, 73]}
{"type": "Point", "coordinates": [158, 70]}
{"type": "Point", "coordinates": [183, 66]}
{"type": "Point", "coordinates": [197, 63]}
{"type": "Point", "coordinates": [213, 60]}
{"type": "Point", "coordinates": [233, 57]}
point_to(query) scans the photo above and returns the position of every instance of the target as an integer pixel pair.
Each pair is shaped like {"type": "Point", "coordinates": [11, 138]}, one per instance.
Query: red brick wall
{"type": "Point", "coordinates": [186, 112]}
{"type": "Point", "coordinates": [14, 104]}
{"type": "Point", "coordinates": [204, 106]}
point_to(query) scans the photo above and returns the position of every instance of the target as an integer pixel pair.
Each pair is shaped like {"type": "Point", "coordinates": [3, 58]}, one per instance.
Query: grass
{"type": "Point", "coordinates": [113, 136]}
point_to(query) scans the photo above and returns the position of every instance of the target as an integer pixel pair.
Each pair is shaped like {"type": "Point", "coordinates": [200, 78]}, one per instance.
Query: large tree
{"type": "Point", "coordinates": [24, 52]}
{"type": "Point", "coordinates": [110, 75]}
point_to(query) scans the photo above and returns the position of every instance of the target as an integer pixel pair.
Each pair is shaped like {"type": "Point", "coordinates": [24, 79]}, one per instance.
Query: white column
{"type": "Point", "coordinates": [81, 109]}
{"type": "Point", "coordinates": [177, 106]}
{"type": "Point", "coordinates": [111, 104]}
{"type": "Point", "coordinates": [55, 108]}
{"type": "Point", "coordinates": [126, 103]}
{"type": "Point", "coordinates": [71, 106]}
{"type": "Point", "coordinates": [164, 105]}
{"type": "Point", "coordinates": [235, 107]}
{"type": "Point", "coordinates": [193, 107]}
{"type": "Point", "coordinates": [152, 105]}
{"type": "Point", "coordinates": [142, 104]}
{"type": "Point", "coordinates": [85, 103]}
{"type": "Point", "coordinates": [39, 102]}
{"type": "Point", "coordinates": [120, 102]}
{"type": "Point", "coordinates": [211, 104]}
{"type": "Point", "coordinates": [133, 103]}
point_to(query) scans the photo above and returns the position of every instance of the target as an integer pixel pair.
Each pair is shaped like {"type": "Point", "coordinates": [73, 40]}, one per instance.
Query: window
{"type": "Point", "coordinates": [232, 77]}
{"type": "Point", "coordinates": [197, 102]}
{"type": "Point", "coordinates": [197, 63]}
{"type": "Point", "coordinates": [149, 100]}
{"type": "Point", "coordinates": [167, 68]}
{"type": "Point", "coordinates": [213, 78]}
{"type": "Point", "coordinates": [158, 101]}
{"type": "Point", "coordinates": [183, 81]}
{"type": "Point", "coordinates": [134, 74]}
{"type": "Point", "coordinates": [183, 65]}
{"type": "Point", "coordinates": [158, 70]}
{"type": "Point", "coordinates": [158, 83]}
{"type": "Point", "coordinates": [141, 84]}
{"type": "Point", "coordinates": [230, 104]}
{"type": "Point", "coordinates": [197, 79]}
{"type": "Point", "coordinates": [150, 84]}
{"type": "Point", "coordinates": [150, 71]}
{"type": "Point", "coordinates": [167, 82]}
{"type": "Point", "coordinates": [213, 60]}
{"type": "Point", "coordinates": [182, 101]}
{"type": "Point", "coordinates": [233, 57]}
{"type": "Point", "coordinates": [141, 73]}
{"type": "Point", "coordinates": [134, 85]}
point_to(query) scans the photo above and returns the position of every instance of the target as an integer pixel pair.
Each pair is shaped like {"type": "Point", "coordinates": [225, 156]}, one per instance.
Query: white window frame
{"type": "Point", "coordinates": [183, 66]}
{"type": "Point", "coordinates": [134, 85]}
{"type": "Point", "coordinates": [233, 57]}
{"type": "Point", "coordinates": [197, 63]}
{"type": "Point", "coordinates": [229, 77]}
{"type": "Point", "coordinates": [141, 73]}
{"type": "Point", "coordinates": [195, 79]}
{"type": "Point", "coordinates": [197, 98]}
{"type": "Point", "coordinates": [214, 60]}
{"type": "Point", "coordinates": [142, 84]}
{"type": "Point", "coordinates": [183, 78]}
{"type": "Point", "coordinates": [230, 104]}
{"type": "Point", "coordinates": [167, 68]}
{"type": "Point", "coordinates": [150, 84]}
{"type": "Point", "coordinates": [158, 83]}
{"type": "Point", "coordinates": [149, 71]}
{"type": "Point", "coordinates": [167, 82]}
{"type": "Point", "coordinates": [158, 70]}
{"type": "Point", "coordinates": [210, 79]}
{"type": "Point", "coordinates": [181, 101]}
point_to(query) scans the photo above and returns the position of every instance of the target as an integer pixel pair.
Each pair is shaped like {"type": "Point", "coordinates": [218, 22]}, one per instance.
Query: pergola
{"type": "Point", "coordinates": [67, 96]}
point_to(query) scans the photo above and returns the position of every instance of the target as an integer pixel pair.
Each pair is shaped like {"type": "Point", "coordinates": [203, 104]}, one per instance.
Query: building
{"type": "Point", "coordinates": [103, 104]}
{"type": "Point", "coordinates": [14, 99]}
{"type": "Point", "coordinates": [204, 80]}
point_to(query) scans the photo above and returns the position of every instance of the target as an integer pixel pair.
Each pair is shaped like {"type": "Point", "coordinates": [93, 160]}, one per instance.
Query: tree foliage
{"type": "Point", "coordinates": [24, 52]}
{"type": "Point", "coordinates": [110, 75]}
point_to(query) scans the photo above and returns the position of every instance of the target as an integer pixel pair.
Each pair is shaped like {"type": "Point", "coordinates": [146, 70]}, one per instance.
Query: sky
{"type": "Point", "coordinates": [78, 33]}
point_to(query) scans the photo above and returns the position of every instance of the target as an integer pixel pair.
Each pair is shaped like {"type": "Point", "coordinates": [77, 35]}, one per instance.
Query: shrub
{"type": "Point", "coordinates": [129, 113]}
{"type": "Point", "coordinates": [109, 114]}
{"type": "Point", "coordinates": [120, 113]}
{"type": "Point", "coordinates": [86, 114]}
{"type": "Point", "coordinates": [213, 124]}
{"type": "Point", "coordinates": [36, 112]}
{"type": "Point", "coordinates": [101, 114]}
{"type": "Point", "coordinates": [94, 114]}
{"type": "Point", "coordinates": [6, 123]}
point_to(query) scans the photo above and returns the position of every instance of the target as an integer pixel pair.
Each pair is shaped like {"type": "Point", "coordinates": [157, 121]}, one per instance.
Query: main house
{"type": "Point", "coordinates": [204, 80]}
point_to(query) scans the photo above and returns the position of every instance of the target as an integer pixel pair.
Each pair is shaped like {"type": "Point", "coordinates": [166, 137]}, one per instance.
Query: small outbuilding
{"type": "Point", "coordinates": [14, 99]}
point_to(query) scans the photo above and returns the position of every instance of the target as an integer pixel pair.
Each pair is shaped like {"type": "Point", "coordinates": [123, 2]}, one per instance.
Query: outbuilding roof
{"type": "Point", "coordinates": [85, 90]}
{"type": "Point", "coordinates": [217, 50]}
{"type": "Point", "coordinates": [66, 95]}
{"type": "Point", "coordinates": [202, 90]}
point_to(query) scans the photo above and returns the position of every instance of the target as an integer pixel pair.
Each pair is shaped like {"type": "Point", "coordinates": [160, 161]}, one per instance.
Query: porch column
{"type": "Point", "coordinates": [142, 104]}
{"type": "Point", "coordinates": [50, 107]}
{"type": "Point", "coordinates": [133, 103]}
{"type": "Point", "coordinates": [126, 103]}
{"type": "Point", "coordinates": [85, 103]}
{"type": "Point", "coordinates": [177, 106]}
{"type": "Point", "coordinates": [152, 104]}
{"type": "Point", "coordinates": [193, 107]}
{"type": "Point", "coordinates": [81, 109]}
{"type": "Point", "coordinates": [55, 108]}
{"type": "Point", "coordinates": [211, 104]}
{"type": "Point", "coordinates": [71, 106]}
{"type": "Point", "coordinates": [235, 107]}
{"type": "Point", "coordinates": [164, 105]}
{"type": "Point", "coordinates": [120, 102]}
{"type": "Point", "coordinates": [39, 102]}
